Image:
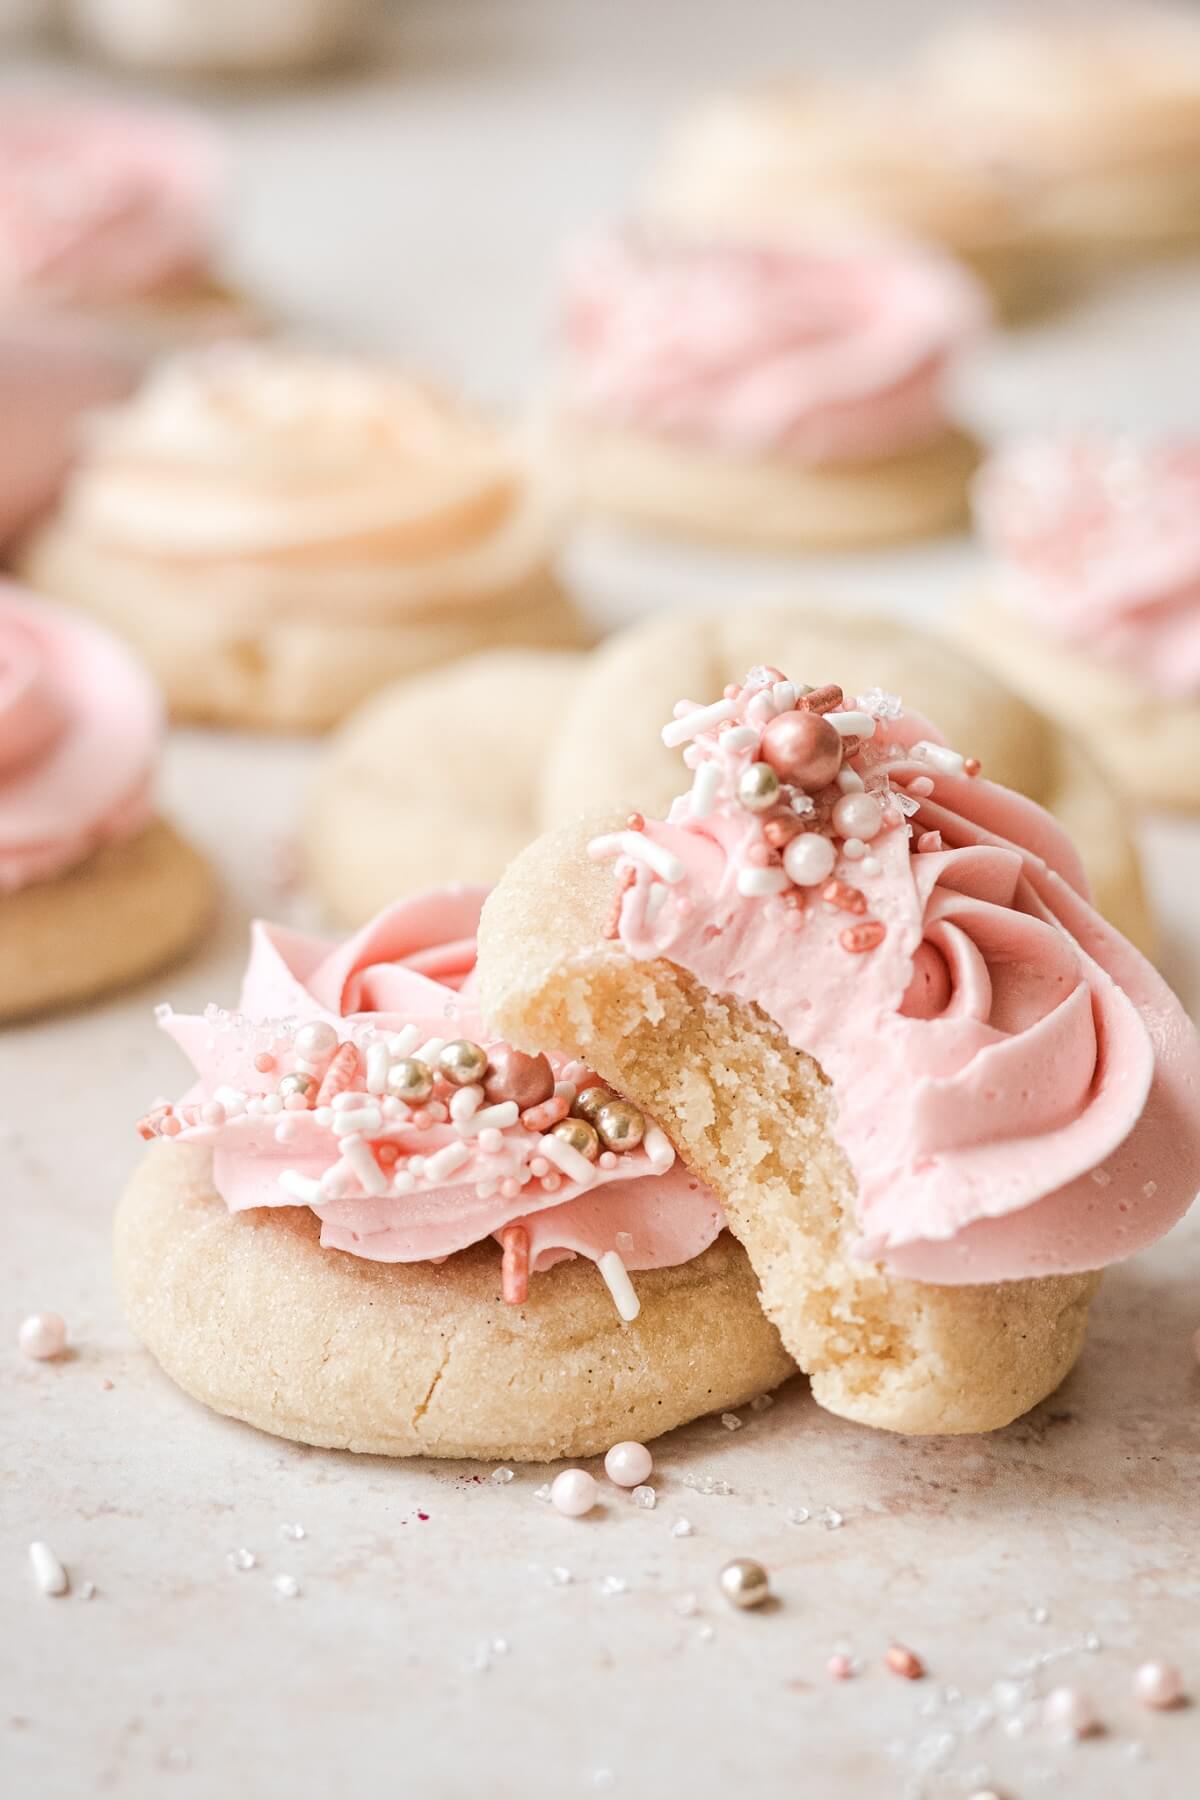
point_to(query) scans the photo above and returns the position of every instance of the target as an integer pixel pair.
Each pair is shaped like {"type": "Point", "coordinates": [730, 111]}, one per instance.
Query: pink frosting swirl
{"type": "Point", "coordinates": [1099, 542]}
{"type": "Point", "coordinates": [101, 203]}
{"type": "Point", "coordinates": [830, 355]}
{"type": "Point", "coordinates": [80, 724]}
{"type": "Point", "coordinates": [416, 1185]}
{"type": "Point", "coordinates": [1017, 1091]}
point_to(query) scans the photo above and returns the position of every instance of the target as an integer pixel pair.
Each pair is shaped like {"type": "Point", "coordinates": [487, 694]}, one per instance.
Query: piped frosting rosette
{"type": "Point", "coordinates": [80, 725]}
{"type": "Point", "coordinates": [101, 204]}
{"type": "Point", "coordinates": [360, 1081]}
{"type": "Point", "coordinates": [1098, 540]}
{"type": "Point", "coordinates": [821, 355]}
{"type": "Point", "coordinates": [270, 459]}
{"type": "Point", "coordinates": [1016, 1090]}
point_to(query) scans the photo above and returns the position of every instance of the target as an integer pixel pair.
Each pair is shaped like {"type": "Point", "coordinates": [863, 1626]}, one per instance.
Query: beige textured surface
{"type": "Point", "coordinates": [999, 1559]}
{"type": "Point", "coordinates": [769, 503]}
{"type": "Point", "coordinates": [251, 1316]}
{"type": "Point", "coordinates": [1148, 744]}
{"type": "Point", "coordinates": [227, 650]}
{"type": "Point", "coordinates": [434, 780]}
{"type": "Point", "coordinates": [637, 677]}
{"type": "Point", "coordinates": [751, 1115]}
{"type": "Point", "coordinates": [124, 914]}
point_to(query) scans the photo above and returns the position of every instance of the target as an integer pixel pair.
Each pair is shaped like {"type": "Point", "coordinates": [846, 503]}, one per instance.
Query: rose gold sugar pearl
{"type": "Point", "coordinates": [971, 766]}
{"type": "Point", "coordinates": [905, 1662]}
{"type": "Point", "coordinates": [264, 1062]}
{"type": "Point", "coordinates": [858, 939]}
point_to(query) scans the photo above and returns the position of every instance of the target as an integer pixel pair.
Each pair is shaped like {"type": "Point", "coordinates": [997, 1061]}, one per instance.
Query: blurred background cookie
{"type": "Point", "coordinates": [1094, 602]}
{"type": "Point", "coordinates": [774, 398]}
{"type": "Point", "coordinates": [95, 889]}
{"type": "Point", "coordinates": [281, 532]}
{"type": "Point", "coordinates": [796, 155]}
{"type": "Point", "coordinates": [435, 779]}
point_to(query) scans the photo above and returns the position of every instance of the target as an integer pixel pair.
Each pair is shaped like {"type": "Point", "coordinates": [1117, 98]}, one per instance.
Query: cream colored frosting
{"type": "Point", "coordinates": [274, 456]}
{"type": "Point", "coordinates": [1076, 90]}
{"type": "Point", "coordinates": [807, 156]}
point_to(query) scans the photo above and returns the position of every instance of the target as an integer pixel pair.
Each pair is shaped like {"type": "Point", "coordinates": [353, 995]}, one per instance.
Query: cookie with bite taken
{"type": "Point", "coordinates": [863, 990]}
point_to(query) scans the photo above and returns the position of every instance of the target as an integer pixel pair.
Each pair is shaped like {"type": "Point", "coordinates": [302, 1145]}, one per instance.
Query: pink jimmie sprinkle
{"type": "Point", "coordinates": [541, 1118]}
{"type": "Point", "coordinates": [929, 840]}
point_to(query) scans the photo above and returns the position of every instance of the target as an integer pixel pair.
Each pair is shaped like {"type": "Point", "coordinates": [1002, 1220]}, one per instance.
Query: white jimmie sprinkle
{"type": "Point", "coordinates": [48, 1572]}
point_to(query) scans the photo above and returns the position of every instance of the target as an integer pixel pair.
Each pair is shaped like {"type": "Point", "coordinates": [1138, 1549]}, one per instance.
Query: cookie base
{"type": "Point", "coordinates": [248, 1314]}
{"type": "Point", "coordinates": [117, 918]}
{"type": "Point", "coordinates": [227, 648]}
{"type": "Point", "coordinates": [372, 831]}
{"type": "Point", "coordinates": [770, 503]}
{"type": "Point", "coordinates": [751, 1116]}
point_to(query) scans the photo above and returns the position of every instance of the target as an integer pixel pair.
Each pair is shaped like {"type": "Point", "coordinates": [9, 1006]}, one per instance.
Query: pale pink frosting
{"type": "Point", "coordinates": [412, 966]}
{"type": "Point", "coordinates": [829, 355]}
{"type": "Point", "coordinates": [53, 369]}
{"type": "Point", "coordinates": [1099, 542]}
{"type": "Point", "coordinates": [80, 725]}
{"type": "Point", "coordinates": [1016, 1089]}
{"type": "Point", "coordinates": [101, 203]}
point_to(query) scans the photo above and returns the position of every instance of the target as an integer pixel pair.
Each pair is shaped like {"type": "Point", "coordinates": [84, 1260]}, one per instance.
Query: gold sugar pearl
{"type": "Point", "coordinates": [587, 1104]}
{"type": "Point", "coordinates": [580, 1135]}
{"type": "Point", "coordinates": [297, 1083]}
{"type": "Point", "coordinates": [744, 1582]}
{"type": "Point", "coordinates": [463, 1063]}
{"type": "Point", "coordinates": [410, 1080]}
{"type": "Point", "coordinates": [758, 790]}
{"type": "Point", "coordinates": [619, 1126]}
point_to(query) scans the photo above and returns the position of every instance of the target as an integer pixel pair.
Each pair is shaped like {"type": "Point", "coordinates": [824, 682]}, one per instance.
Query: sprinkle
{"type": "Point", "coordinates": [575, 1167]}
{"type": "Point", "coordinates": [850, 781]}
{"type": "Point", "coordinates": [846, 898]}
{"type": "Point", "coordinates": [702, 718]}
{"type": "Point", "coordinates": [447, 1161]}
{"type": "Point", "coordinates": [921, 786]}
{"type": "Point", "coordinates": [907, 1663]}
{"type": "Point", "coordinates": [705, 787]}
{"type": "Point", "coordinates": [636, 822]}
{"type": "Point", "coordinates": [573, 1492]}
{"type": "Point", "coordinates": [353, 1119]}
{"type": "Point", "coordinates": [286, 1586]}
{"type": "Point", "coordinates": [851, 724]}
{"type": "Point", "coordinates": [821, 699]}
{"type": "Point", "coordinates": [665, 864]}
{"type": "Point", "coordinates": [971, 766]}
{"type": "Point", "coordinates": [756, 884]}
{"type": "Point", "coordinates": [338, 1076]}
{"type": "Point", "coordinates": [840, 1667]}
{"type": "Point", "coordinates": [264, 1062]}
{"type": "Point", "coordinates": [854, 849]}
{"type": "Point", "coordinates": [929, 841]}
{"type": "Point", "coordinates": [1158, 1684]}
{"type": "Point", "coordinates": [301, 1187]}
{"type": "Point", "coordinates": [731, 1422]}
{"type": "Point", "coordinates": [465, 1102]}
{"type": "Point", "coordinates": [241, 1561]}
{"type": "Point", "coordinates": [682, 1528]}
{"type": "Point", "coordinates": [501, 1476]}
{"type": "Point", "coordinates": [858, 939]}
{"type": "Point", "coordinates": [379, 1062]}
{"type": "Point", "coordinates": [358, 1154]}
{"type": "Point", "coordinates": [514, 1265]}
{"type": "Point", "coordinates": [1068, 1713]}
{"type": "Point", "coordinates": [295, 1532]}
{"type": "Point", "coordinates": [48, 1572]}
{"type": "Point", "coordinates": [616, 1279]}
{"type": "Point", "coordinates": [943, 759]}
{"type": "Point", "coordinates": [403, 1043]}
{"type": "Point", "coordinates": [489, 1118]}
{"type": "Point", "coordinates": [430, 1051]}
{"type": "Point", "coordinates": [644, 1497]}
{"type": "Point", "coordinates": [742, 737]}
{"type": "Point", "coordinates": [658, 1147]}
